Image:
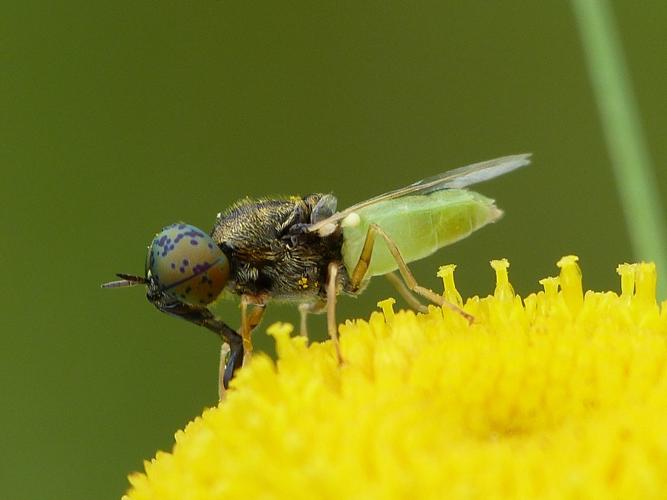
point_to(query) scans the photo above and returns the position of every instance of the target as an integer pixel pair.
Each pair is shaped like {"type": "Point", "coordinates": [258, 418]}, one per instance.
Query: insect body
{"type": "Point", "coordinates": [301, 249]}
{"type": "Point", "coordinates": [418, 224]}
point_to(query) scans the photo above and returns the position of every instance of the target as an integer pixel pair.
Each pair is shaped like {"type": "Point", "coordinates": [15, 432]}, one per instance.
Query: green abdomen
{"type": "Point", "coordinates": [419, 225]}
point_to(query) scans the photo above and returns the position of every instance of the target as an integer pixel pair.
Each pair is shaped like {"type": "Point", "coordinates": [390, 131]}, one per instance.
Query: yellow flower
{"type": "Point", "coordinates": [559, 394]}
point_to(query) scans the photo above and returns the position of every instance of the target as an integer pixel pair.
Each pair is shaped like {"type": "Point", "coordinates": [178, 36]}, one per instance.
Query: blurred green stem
{"type": "Point", "coordinates": [622, 129]}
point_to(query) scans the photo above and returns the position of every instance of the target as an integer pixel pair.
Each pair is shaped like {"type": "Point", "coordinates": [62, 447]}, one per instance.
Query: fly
{"type": "Point", "coordinates": [301, 249]}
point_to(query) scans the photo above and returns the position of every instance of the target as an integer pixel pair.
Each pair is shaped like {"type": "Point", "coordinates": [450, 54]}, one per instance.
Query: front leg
{"type": "Point", "coordinates": [252, 311]}
{"type": "Point", "coordinates": [202, 316]}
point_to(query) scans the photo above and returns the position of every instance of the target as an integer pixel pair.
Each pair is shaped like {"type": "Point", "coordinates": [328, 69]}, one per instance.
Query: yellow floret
{"type": "Point", "coordinates": [561, 394]}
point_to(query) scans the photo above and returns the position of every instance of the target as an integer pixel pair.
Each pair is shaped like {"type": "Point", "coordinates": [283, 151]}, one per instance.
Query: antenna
{"type": "Point", "coordinates": [126, 281]}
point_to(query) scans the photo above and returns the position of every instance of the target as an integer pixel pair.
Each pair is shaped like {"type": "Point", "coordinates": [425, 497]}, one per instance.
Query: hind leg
{"type": "Point", "coordinates": [408, 278]}
{"type": "Point", "coordinates": [405, 292]}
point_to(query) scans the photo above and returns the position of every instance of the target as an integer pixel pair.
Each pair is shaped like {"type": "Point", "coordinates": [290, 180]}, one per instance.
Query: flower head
{"type": "Point", "coordinates": [561, 393]}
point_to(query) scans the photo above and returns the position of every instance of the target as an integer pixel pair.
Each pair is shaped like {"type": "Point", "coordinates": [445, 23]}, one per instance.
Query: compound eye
{"type": "Point", "coordinates": [187, 264]}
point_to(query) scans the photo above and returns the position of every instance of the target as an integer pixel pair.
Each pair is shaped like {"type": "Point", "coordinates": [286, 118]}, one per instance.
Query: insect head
{"type": "Point", "coordinates": [184, 263]}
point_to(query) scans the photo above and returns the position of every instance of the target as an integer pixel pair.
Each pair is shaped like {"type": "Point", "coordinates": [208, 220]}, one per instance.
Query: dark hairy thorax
{"type": "Point", "coordinates": [270, 253]}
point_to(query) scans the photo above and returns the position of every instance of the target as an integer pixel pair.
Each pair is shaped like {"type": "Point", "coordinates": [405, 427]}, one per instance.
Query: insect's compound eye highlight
{"type": "Point", "coordinates": [187, 264]}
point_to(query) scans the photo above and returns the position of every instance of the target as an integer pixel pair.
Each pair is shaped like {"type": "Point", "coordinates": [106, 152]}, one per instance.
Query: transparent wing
{"type": "Point", "coordinates": [457, 178]}
{"type": "Point", "coordinates": [324, 208]}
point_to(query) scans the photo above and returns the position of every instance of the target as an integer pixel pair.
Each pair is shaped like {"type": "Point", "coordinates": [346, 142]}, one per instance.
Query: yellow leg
{"type": "Point", "coordinates": [332, 325]}
{"type": "Point", "coordinates": [405, 292]}
{"type": "Point", "coordinates": [305, 309]}
{"type": "Point", "coordinates": [251, 316]}
{"type": "Point", "coordinates": [365, 259]}
{"type": "Point", "coordinates": [245, 329]}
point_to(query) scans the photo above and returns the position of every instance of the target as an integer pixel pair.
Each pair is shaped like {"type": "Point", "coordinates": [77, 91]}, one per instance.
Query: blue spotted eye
{"type": "Point", "coordinates": [187, 264]}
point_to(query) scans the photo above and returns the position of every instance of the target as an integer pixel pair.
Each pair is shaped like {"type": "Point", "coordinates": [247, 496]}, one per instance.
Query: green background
{"type": "Point", "coordinates": [121, 117]}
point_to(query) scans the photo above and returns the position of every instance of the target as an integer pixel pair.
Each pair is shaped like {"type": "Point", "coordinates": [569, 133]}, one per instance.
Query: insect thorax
{"type": "Point", "coordinates": [271, 254]}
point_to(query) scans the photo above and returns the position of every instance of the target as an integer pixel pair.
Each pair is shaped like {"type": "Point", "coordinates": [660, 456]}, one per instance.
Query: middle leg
{"type": "Point", "coordinates": [332, 325]}
{"type": "Point", "coordinates": [306, 308]}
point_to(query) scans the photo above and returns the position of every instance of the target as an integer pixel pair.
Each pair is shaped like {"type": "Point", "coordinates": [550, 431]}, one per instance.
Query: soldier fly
{"type": "Point", "coordinates": [300, 249]}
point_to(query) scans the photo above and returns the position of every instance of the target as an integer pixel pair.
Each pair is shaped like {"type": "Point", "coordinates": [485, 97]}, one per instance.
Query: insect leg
{"type": "Point", "coordinates": [204, 317]}
{"type": "Point", "coordinates": [365, 258]}
{"type": "Point", "coordinates": [225, 353]}
{"type": "Point", "coordinates": [405, 292]}
{"type": "Point", "coordinates": [306, 308]}
{"type": "Point", "coordinates": [332, 325]}
{"type": "Point", "coordinates": [251, 316]}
